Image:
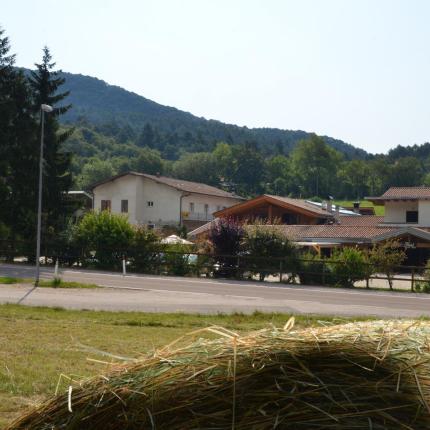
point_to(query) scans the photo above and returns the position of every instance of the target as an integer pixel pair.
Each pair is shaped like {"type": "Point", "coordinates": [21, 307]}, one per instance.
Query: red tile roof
{"type": "Point", "coordinates": [179, 184]}
{"type": "Point", "coordinates": [364, 220]}
{"type": "Point", "coordinates": [404, 193]}
{"type": "Point", "coordinates": [348, 232]}
{"type": "Point", "coordinates": [303, 204]}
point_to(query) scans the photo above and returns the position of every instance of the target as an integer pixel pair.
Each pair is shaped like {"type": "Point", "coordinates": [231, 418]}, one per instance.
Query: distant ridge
{"type": "Point", "coordinates": [100, 103]}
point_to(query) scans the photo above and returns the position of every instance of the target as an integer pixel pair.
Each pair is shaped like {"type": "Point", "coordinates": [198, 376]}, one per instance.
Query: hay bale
{"type": "Point", "coordinates": [373, 375]}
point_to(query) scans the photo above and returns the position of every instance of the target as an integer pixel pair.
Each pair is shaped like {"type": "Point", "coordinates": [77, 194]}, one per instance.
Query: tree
{"type": "Point", "coordinates": [278, 171]}
{"type": "Point", "coordinates": [387, 257]}
{"type": "Point", "coordinates": [108, 235]}
{"type": "Point", "coordinates": [18, 148]}
{"type": "Point", "coordinates": [95, 170]}
{"type": "Point", "coordinates": [264, 247]}
{"type": "Point", "coordinates": [354, 175]}
{"type": "Point", "coordinates": [149, 161]}
{"type": "Point", "coordinates": [46, 87]}
{"type": "Point", "coordinates": [226, 235]}
{"type": "Point", "coordinates": [315, 164]}
{"type": "Point", "coordinates": [147, 137]}
{"type": "Point", "coordinates": [247, 168]}
{"type": "Point", "coordinates": [406, 172]}
{"type": "Point", "coordinates": [198, 167]}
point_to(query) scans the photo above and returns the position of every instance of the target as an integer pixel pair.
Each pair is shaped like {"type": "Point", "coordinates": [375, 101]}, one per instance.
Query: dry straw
{"type": "Point", "coordinates": [372, 375]}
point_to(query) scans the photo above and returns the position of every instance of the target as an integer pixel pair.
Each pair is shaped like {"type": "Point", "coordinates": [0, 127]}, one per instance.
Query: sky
{"type": "Point", "coordinates": [356, 70]}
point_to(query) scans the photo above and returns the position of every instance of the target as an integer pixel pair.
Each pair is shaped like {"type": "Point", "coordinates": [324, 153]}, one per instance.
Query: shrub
{"type": "Point", "coordinates": [311, 270]}
{"type": "Point", "coordinates": [143, 249]}
{"type": "Point", "coordinates": [424, 285]}
{"type": "Point", "coordinates": [108, 235]}
{"type": "Point", "coordinates": [177, 259]}
{"type": "Point", "coordinates": [226, 235]}
{"type": "Point", "coordinates": [265, 246]}
{"type": "Point", "coordinates": [386, 257]}
{"type": "Point", "coordinates": [347, 266]}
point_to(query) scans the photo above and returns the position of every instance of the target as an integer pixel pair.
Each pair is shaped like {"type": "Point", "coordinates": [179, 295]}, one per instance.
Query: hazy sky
{"type": "Point", "coordinates": [357, 70]}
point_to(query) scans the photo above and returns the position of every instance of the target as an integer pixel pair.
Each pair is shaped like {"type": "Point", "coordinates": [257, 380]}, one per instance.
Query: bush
{"type": "Point", "coordinates": [105, 234]}
{"type": "Point", "coordinates": [176, 260]}
{"type": "Point", "coordinates": [386, 257]}
{"type": "Point", "coordinates": [424, 285]}
{"type": "Point", "coordinates": [265, 247]}
{"type": "Point", "coordinates": [347, 266]}
{"type": "Point", "coordinates": [226, 235]}
{"type": "Point", "coordinates": [311, 270]}
{"type": "Point", "coordinates": [143, 249]}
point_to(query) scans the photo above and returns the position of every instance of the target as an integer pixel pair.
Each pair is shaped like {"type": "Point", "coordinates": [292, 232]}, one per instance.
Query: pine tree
{"type": "Point", "coordinates": [18, 132]}
{"type": "Point", "coordinates": [45, 84]}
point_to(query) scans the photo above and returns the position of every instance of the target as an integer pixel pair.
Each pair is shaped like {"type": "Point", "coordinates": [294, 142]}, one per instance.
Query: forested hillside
{"type": "Point", "coordinates": [122, 114]}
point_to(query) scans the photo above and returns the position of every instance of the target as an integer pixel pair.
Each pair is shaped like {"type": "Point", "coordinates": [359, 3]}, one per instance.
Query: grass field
{"type": "Point", "coordinates": [379, 210]}
{"type": "Point", "coordinates": [39, 344]}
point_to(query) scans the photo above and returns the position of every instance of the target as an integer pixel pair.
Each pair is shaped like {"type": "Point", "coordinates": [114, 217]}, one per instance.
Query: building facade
{"type": "Point", "coordinates": [157, 201]}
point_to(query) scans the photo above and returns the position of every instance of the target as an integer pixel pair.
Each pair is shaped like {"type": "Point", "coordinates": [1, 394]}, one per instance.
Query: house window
{"type": "Point", "coordinates": [218, 208]}
{"type": "Point", "coordinates": [191, 207]}
{"type": "Point", "coordinates": [412, 216]}
{"type": "Point", "coordinates": [124, 206]}
{"type": "Point", "coordinates": [105, 205]}
{"type": "Point", "coordinates": [150, 204]}
{"type": "Point", "coordinates": [206, 208]}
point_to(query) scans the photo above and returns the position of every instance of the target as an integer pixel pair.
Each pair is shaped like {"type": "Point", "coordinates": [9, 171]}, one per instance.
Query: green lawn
{"type": "Point", "coordinates": [39, 344]}
{"type": "Point", "coordinates": [379, 210]}
{"type": "Point", "coordinates": [54, 283]}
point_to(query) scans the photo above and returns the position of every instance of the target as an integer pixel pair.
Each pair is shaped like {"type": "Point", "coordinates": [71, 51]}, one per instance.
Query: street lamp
{"type": "Point", "coordinates": [43, 108]}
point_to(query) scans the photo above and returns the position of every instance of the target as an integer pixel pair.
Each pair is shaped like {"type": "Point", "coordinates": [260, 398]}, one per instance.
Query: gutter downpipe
{"type": "Point", "coordinates": [180, 207]}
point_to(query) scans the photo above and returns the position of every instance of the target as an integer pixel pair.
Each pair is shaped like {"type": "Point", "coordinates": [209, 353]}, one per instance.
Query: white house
{"type": "Point", "coordinates": [405, 206]}
{"type": "Point", "coordinates": [158, 200]}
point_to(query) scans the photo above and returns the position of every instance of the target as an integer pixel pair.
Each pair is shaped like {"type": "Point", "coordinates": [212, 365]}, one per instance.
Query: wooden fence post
{"type": "Point", "coordinates": [412, 279]}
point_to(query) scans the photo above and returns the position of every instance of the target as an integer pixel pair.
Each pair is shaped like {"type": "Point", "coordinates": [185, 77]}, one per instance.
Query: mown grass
{"type": "Point", "coordinates": [379, 210]}
{"type": "Point", "coordinates": [39, 344]}
{"type": "Point", "coordinates": [51, 283]}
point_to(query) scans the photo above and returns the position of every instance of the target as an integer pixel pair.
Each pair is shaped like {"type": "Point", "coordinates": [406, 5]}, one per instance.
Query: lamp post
{"type": "Point", "coordinates": [43, 108]}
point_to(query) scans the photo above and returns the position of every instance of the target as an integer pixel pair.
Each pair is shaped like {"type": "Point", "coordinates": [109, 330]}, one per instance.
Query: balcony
{"type": "Point", "coordinates": [197, 216]}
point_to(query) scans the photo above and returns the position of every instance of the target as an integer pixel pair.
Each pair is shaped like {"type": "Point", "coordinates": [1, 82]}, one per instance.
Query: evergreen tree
{"type": "Point", "coordinates": [17, 140]}
{"type": "Point", "coordinates": [45, 84]}
{"type": "Point", "coordinates": [147, 137]}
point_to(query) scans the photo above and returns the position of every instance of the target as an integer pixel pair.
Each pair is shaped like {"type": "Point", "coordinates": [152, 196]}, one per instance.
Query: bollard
{"type": "Point", "coordinates": [56, 269]}
{"type": "Point", "coordinates": [123, 267]}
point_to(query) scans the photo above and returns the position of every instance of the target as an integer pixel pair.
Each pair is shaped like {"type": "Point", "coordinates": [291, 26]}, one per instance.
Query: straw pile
{"type": "Point", "coordinates": [373, 375]}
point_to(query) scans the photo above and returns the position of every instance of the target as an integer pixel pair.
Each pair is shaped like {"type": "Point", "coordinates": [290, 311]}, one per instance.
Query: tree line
{"type": "Point", "coordinates": [312, 169]}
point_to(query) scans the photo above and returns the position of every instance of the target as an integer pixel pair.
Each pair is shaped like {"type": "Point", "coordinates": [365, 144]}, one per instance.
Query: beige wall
{"type": "Point", "coordinates": [424, 213]}
{"type": "Point", "coordinates": [123, 188]}
{"type": "Point", "coordinates": [166, 203]}
{"type": "Point", "coordinates": [395, 212]}
{"type": "Point", "coordinates": [166, 200]}
{"type": "Point", "coordinates": [215, 203]}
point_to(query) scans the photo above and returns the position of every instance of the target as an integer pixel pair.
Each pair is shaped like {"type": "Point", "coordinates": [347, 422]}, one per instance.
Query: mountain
{"type": "Point", "coordinates": [98, 103]}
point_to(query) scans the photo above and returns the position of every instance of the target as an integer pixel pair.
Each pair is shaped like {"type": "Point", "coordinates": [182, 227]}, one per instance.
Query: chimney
{"type": "Point", "coordinates": [357, 207]}
{"type": "Point", "coordinates": [330, 204]}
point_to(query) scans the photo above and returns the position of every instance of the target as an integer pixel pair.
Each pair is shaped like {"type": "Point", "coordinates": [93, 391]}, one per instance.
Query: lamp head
{"type": "Point", "coordinates": [46, 108]}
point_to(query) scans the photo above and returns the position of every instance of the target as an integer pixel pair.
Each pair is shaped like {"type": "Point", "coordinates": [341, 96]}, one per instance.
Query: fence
{"type": "Point", "coordinates": [162, 261]}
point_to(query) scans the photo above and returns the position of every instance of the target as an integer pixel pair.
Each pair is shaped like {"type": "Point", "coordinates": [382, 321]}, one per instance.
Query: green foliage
{"type": "Point", "coordinates": [386, 257]}
{"type": "Point", "coordinates": [177, 260]}
{"type": "Point", "coordinates": [347, 266]}
{"type": "Point", "coordinates": [311, 269]}
{"type": "Point", "coordinates": [108, 235]}
{"type": "Point", "coordinates": [142, 250]}
{"type": "Point", "coordinates": [95, 170]}
{"type": "Point", "coordinates": [264, 246]}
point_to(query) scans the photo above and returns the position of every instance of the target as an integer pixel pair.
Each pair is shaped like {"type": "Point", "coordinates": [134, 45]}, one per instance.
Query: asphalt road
{"type": "Point", "coordinates": [174, 294]}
